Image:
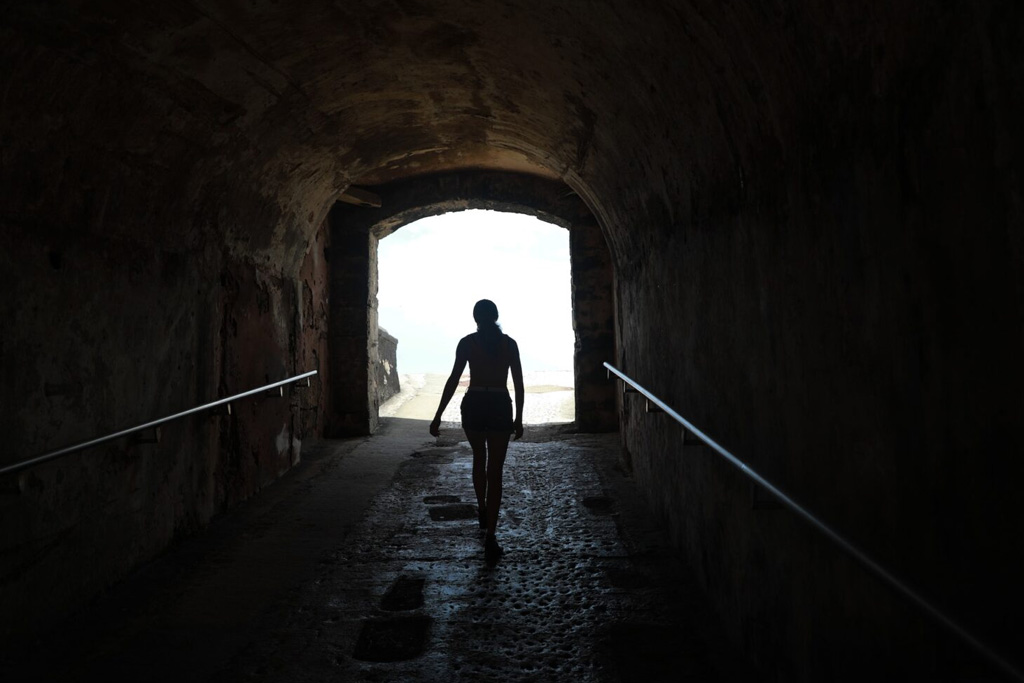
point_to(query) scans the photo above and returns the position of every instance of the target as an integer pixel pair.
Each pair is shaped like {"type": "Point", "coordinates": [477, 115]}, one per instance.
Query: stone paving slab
{"type": "Point", "coordinates": [586, 591]}
{"type": "Point", "coordinates": [185, 614]}
{"type": "Point", "coordinates": [340, 572]}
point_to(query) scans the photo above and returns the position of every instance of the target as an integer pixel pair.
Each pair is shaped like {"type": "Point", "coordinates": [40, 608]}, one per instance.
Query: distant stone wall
{"type": "Point", "coordinates": [387, 366]}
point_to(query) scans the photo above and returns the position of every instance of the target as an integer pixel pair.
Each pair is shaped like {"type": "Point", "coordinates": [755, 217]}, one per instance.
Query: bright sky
{"type": "Point", "coordinates": [431, 272]}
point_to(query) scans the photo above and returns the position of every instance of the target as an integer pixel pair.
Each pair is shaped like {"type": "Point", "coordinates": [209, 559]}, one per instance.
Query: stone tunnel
{"type": "Point", "coordinates": [799, 223]}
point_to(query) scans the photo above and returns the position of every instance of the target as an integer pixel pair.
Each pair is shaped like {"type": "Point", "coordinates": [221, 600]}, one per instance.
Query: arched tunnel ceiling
{"type": "Point", "coordinates": [403, 87]}
{"type": "Point", "coordinates": [205, 122]}
{"type": "Point", "coordinates": [251, 117]}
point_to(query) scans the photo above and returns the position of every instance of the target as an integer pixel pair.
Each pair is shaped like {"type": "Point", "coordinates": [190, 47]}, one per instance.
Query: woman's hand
{"type": "Point", "coordinates": [519, 428]}
{"type": "Point", "coordinates": [435, 427]}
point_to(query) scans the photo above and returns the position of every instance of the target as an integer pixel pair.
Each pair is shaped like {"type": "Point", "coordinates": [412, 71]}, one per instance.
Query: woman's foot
{"type": "Point", "coordinates": [492, 551]}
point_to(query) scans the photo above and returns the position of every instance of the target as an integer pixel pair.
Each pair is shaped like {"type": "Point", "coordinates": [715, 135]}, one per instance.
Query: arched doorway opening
{"type": "Point", "coordinates": [357, 226]}
{"type": "Point", "coordinates": [432, 271]}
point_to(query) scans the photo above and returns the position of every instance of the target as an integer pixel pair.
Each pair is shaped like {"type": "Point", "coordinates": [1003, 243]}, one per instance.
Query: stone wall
{"type": "Point", "coordinates": [593, 322]}
{"type": "Point", "coordinates": [386, 378]}
{"type": "Point", "coordinates": [831, 286]}
{"type": "Point", "coordinates": [353, 322]}
{"type": "Point", "coordinates": [103, 334]}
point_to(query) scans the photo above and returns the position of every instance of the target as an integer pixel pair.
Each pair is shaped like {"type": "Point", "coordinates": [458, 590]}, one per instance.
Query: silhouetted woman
{"type": "Point", "coordinates": [487, 410]}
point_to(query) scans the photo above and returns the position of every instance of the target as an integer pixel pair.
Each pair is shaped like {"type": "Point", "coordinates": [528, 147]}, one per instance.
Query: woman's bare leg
{"type": "Point", "coordinates": [497, 447]}
{"type": "Point", "coordinates": [478, 440]}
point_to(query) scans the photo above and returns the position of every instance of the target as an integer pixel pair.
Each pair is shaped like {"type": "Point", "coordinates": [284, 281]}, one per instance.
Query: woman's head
{"type": "Point", "coordinates": [485, 313]}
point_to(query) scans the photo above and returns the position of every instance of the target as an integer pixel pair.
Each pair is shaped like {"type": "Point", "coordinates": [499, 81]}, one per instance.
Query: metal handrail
{"type": "Point", "coordinates": [67, 450]}
{"type": "Point", "coordinates": [859, 555]}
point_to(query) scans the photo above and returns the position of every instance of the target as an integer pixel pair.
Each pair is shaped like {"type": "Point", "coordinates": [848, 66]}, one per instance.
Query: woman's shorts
{"type": "Point", "coordinates": [487, 411]}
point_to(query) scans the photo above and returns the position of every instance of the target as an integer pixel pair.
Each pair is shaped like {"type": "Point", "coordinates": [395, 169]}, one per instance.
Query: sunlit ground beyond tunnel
{"type": "Point", "coordinates": [431, 272]}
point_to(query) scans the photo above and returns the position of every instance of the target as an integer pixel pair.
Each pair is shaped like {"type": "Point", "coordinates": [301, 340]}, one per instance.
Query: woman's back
{"type": "Point", "coordinates": [486, 410]}
{"type": "Point", "coordinates": [489, 359]}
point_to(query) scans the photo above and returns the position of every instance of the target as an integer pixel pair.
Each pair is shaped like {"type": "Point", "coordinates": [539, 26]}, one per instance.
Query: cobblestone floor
{"type": "Point", "coordinates": [366, 563]}
{"type": "Point", "coordinates": [586, 589]}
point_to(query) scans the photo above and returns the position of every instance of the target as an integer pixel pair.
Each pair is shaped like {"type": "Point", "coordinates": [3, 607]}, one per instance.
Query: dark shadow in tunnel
{"type": "Point", "coordinates": [190, 609]}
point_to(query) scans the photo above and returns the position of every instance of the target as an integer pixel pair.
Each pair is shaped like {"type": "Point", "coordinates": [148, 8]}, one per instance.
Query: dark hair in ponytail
{"type": "Point", "coordinates": [485, 313]}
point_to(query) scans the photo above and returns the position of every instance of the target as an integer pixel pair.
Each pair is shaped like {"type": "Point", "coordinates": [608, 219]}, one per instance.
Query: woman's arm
{"type": "Point", "coordinates": [517, 381]}
{"type": "Point", "coordinates": [461, 358]}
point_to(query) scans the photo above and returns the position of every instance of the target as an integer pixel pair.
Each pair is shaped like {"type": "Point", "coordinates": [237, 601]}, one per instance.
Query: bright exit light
{"type": "Point", "coordinates": [431, 272]}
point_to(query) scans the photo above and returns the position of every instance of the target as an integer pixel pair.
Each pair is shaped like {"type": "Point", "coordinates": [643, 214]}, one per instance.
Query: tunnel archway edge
{"type": "Point", "coordinates": [355, 231]}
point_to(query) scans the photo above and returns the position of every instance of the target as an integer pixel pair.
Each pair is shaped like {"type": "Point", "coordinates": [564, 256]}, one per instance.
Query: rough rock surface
{"type": "Point", "coordinates": [572, 598]}
{"type": "Point", "coordinates": [395, 588]}
{"type": "Point", "coordinates": [387, 381]}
